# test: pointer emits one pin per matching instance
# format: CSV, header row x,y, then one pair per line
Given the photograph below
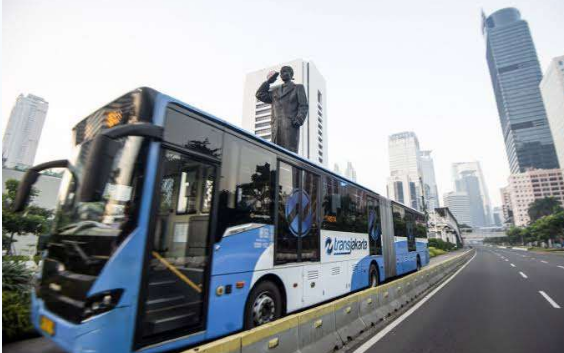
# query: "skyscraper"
x,y
515,73
459,204
404,183
467,170
313,133
23,131
468,183
429,183
552,89
350,172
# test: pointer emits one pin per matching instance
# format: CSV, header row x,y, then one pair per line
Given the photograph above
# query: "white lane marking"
x,y
523,275
533,258
523,255
512,265
562,267
544,262
549,299
399,320
506,260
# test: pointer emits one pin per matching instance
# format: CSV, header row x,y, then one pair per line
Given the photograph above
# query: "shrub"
x,y
16,321
15,276
435,252
440,244
16,300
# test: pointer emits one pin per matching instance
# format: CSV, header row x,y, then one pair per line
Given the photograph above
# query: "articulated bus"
x,y
174,228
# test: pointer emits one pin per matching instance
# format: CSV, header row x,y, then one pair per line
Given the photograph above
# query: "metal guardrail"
x,y
329,326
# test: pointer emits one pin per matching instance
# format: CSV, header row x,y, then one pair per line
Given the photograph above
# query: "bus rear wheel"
x,y
418,263
373,278
263,306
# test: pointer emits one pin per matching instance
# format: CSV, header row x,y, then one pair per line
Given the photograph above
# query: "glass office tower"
x,y
516,74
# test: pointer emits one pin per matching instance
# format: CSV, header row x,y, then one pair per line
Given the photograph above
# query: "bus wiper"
x,y
77,249
75,227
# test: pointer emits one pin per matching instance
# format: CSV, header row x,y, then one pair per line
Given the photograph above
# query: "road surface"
x,y
503,301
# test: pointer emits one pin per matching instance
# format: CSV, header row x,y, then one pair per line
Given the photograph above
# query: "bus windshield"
x,y
86,233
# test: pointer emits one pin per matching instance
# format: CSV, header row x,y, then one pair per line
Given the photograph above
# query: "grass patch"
x,y
435,252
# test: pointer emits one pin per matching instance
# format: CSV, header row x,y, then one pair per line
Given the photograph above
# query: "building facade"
x,y
459,205
21,138
552,90
444,225
525,188
405,181
464,177
430,189
498,219
515,74
313,133
506,207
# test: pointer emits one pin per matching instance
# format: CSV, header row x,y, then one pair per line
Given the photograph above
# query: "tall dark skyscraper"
x,y
516,74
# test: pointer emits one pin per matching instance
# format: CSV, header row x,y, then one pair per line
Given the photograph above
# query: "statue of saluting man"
x,y
289,107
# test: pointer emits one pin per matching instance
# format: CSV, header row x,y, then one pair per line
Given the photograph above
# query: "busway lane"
x,y
543,275
487,307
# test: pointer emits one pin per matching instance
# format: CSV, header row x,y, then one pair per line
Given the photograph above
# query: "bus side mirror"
x,y
30,177
100,159
98,167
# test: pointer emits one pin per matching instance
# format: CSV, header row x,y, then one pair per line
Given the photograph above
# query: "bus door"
x,y
297,233
175,283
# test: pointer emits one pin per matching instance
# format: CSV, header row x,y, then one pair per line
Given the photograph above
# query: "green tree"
x,y
543,207
34,220
548,227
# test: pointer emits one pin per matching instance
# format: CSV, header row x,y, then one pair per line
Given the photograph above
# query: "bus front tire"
x,y
264,305
373,278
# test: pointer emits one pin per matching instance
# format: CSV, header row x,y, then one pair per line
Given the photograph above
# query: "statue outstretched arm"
x,y
302,105
263,93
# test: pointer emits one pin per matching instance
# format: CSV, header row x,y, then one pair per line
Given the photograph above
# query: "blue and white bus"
x,y
174,227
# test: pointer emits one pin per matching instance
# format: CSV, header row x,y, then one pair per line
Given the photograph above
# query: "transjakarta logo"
x,y
337,246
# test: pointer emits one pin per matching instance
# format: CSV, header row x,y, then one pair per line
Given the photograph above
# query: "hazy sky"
x,y
390,66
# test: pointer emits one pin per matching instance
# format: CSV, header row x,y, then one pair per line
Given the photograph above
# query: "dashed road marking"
x,y
544,262
506,260
549,299
512,265
562,267
523,275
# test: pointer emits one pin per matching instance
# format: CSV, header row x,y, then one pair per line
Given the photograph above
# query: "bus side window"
x,y
410,228
248,174
374,227
399,221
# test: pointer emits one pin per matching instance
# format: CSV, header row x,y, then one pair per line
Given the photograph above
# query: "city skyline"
x,y
369,90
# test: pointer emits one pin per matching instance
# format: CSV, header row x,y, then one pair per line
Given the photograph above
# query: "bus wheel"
x,y
373,276
264,305
418,263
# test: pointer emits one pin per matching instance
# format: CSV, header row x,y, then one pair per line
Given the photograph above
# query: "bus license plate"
x,y
47,325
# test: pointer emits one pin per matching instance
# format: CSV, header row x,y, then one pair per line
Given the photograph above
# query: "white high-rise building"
x,y
313,133
23,131
459,204
552,90
350,172
461,172
404,183
431,191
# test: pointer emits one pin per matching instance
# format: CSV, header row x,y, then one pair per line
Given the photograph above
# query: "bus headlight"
x,y
101,302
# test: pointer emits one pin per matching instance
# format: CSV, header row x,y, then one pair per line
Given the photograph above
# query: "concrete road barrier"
x,y
324,328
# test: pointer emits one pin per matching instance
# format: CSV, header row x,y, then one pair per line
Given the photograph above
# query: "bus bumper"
x,y
97,334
